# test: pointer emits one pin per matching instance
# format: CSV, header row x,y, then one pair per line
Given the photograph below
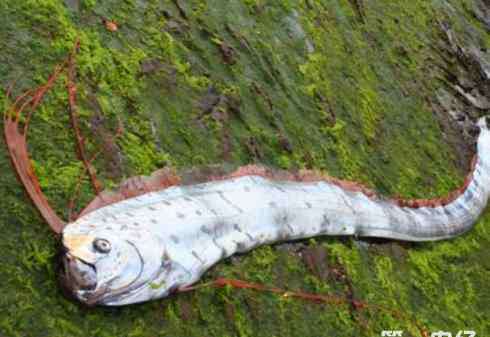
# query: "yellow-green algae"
x,y
311,83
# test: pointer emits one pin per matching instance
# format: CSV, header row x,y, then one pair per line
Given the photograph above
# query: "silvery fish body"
x,y
149,246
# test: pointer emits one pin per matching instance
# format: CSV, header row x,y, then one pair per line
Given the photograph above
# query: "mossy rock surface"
x,y
360,89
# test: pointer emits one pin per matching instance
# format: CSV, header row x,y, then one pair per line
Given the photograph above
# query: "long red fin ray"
x,y
16,140
311,297
80,141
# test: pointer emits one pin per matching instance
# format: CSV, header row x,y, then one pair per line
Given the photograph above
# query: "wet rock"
x,y
474,131
474,98
460,117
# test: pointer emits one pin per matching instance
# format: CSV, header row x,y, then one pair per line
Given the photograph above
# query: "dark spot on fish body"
x,y
165,202
325,225
224,253
468,196
221,228
476,183
250,237
151,208
241,247
279,188
283,220
272,204
124,227
447,212
197,257
154,221
359,232
198,212
226,200
406,210
174,239
166,261
282,217
216,230
180,215
308,204
205,230
246,189
129,214
237,228
348,204
283,235
459,205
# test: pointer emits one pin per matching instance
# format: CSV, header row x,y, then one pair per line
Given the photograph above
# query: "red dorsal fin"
x,y
157,181
134,187
299,175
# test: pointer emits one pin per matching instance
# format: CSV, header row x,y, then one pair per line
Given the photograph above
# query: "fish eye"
x,y
102,245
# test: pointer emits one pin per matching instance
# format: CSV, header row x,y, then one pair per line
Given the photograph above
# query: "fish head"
x,y
111,267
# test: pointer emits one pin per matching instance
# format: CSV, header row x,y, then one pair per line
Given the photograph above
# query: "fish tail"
x,y
442,218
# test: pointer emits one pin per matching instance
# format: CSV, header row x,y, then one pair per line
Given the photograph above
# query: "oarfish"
x,y
153,244
154,236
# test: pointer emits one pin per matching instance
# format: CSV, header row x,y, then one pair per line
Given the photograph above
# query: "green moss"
x,y
302,84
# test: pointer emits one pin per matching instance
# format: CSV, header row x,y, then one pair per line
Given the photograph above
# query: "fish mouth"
x,y
75,275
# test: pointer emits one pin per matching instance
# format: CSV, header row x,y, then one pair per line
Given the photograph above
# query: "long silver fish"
x,y
149,246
